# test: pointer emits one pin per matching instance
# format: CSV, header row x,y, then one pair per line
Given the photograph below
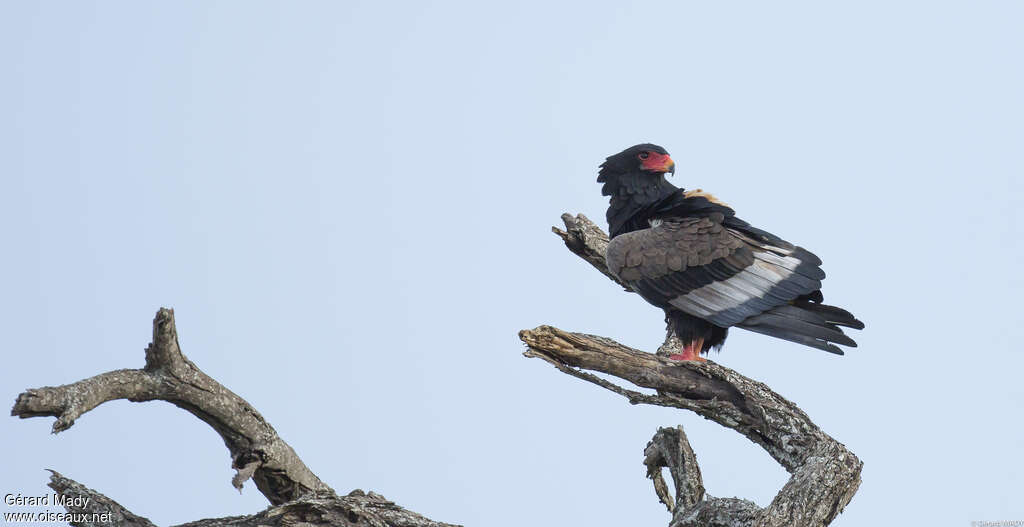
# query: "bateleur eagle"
x,y
688,253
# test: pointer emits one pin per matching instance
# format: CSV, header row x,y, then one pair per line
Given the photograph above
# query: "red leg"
x,y
690,352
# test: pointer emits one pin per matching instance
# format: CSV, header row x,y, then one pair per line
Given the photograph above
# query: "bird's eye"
x,y
644,155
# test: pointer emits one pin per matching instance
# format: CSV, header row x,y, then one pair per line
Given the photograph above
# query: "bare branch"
x,y
358,509
279,474
585,239
257,451
825,474
711,390
670,448
96,511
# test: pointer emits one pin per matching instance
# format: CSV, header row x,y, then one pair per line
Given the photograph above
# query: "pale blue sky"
x,y
348,205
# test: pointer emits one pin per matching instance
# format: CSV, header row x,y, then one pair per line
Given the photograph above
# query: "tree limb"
x,y
357,509
671,448
169,376
825,475
588,241
98,510
257,451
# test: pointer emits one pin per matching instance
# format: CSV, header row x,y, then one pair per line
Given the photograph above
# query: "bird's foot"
x,y
690,352
687,356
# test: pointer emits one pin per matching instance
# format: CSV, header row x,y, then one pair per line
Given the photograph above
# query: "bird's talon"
x,y
688,354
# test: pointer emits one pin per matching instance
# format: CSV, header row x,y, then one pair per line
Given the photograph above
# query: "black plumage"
x,y
689,254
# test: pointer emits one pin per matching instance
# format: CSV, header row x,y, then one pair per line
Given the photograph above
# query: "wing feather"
x,y
722,270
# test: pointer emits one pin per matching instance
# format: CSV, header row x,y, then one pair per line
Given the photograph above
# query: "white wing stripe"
x,y
787,262
753,282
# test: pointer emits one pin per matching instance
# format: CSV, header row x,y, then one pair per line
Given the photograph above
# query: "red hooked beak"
x,y
661,163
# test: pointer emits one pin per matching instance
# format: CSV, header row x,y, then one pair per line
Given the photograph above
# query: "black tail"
x,y
808,323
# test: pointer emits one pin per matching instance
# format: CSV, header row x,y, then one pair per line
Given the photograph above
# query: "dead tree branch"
x,y
357,509
670,448
257,451
98,510
825,475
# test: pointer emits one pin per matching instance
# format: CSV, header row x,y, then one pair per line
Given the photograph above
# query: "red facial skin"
x,y
656,162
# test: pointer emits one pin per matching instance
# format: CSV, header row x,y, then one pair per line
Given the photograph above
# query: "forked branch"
x,y
257,451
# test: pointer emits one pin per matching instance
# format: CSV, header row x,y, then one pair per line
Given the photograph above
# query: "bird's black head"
x,y
634,178
643,162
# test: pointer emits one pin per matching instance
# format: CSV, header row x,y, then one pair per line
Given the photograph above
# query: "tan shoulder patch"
x,y
698,193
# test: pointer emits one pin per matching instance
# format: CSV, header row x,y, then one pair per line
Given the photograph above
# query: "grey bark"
x,y
357,509
824,474
257,452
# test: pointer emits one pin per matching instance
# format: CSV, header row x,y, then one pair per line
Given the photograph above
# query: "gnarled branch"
x,y
257,451
671,448
96,511
357,509
825,475
168,375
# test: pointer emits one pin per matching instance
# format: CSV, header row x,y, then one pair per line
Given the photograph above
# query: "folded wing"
x,y
721,269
